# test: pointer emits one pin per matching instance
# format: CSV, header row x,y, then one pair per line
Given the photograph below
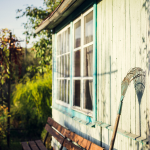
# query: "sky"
x,y
8,16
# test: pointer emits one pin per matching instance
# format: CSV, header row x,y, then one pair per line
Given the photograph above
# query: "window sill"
x,y
85,112
75,118
62,103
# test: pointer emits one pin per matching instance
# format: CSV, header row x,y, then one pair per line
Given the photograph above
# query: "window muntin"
x,y
63,65
83,62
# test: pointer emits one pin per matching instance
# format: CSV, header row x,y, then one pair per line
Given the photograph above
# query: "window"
x,y
63,65
83,62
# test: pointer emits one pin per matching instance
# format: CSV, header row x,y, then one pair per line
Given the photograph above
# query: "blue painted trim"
x,y
95,62
73,113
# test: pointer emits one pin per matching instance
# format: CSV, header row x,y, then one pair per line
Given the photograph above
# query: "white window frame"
x,y
81,78
65,78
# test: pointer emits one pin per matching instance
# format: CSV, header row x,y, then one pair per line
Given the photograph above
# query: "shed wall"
x,y
122,30
122,44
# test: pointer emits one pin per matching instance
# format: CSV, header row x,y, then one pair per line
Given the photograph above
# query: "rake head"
x,y
133,74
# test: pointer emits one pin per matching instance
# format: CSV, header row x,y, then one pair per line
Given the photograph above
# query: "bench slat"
x,y
25,146
73,136
56,135
40,145
33,145
69,145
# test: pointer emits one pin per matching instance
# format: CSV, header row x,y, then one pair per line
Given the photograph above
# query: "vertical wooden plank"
x,y
105,140
99,58
108,59
99,38
143,55
120,141
128,64
113,63
103,77
132,15
125,116
148,73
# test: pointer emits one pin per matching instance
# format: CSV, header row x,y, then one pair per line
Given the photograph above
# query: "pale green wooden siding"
x,y
122,32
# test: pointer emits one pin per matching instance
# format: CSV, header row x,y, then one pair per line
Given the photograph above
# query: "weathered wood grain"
x,y
25,146
40,145
33,145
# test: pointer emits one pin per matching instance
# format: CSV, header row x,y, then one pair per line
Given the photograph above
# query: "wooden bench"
x,y
65,137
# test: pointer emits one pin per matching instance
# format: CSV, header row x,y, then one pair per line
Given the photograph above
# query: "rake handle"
x,y
114,132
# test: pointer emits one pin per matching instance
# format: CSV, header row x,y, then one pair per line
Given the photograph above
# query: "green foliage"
x,y
3,121
42,47
32,100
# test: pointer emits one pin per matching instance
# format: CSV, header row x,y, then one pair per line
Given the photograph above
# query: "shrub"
x,y
31,102
3,121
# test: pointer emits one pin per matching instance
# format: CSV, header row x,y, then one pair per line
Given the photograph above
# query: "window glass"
x,y
64,43
63,65
58,68
88,61
65,90
68,91
68,65
68,40
88,26
77,63
88,94
77,93
77,34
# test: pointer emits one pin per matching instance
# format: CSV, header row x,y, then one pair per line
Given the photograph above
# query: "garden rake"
x,y
132,75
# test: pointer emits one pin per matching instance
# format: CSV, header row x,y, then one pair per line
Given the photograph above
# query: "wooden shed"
x,y
95,44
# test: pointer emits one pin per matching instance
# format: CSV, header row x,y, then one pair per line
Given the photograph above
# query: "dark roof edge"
x,y
54,17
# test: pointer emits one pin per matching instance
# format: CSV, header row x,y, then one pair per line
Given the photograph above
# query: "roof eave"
x,y
64,10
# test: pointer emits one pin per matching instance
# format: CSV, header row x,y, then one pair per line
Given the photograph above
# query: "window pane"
x,y
77,63
61,44
62,65
68,65
63,91
58,67
77,34
88,94
68,40
58,44
58,89
64,43
68,91
88,61
88,28
77,93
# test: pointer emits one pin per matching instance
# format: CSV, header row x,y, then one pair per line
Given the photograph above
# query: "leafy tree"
x,y
8,45
42,48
